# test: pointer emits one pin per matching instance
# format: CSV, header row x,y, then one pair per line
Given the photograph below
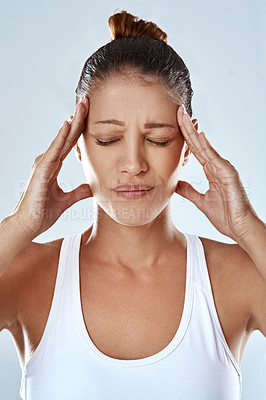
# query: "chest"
x,y
132,318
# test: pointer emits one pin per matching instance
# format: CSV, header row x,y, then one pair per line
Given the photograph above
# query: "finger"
x,y
61,143
213,156
191,137
53,151
201,145
77,127
81,192
198,156
67,135
187,191
70,119
206,147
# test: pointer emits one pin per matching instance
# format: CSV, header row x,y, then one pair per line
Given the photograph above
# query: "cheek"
x,y
170,161
97,166
170,168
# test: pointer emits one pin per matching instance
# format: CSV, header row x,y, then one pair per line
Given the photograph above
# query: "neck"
x,y
133,247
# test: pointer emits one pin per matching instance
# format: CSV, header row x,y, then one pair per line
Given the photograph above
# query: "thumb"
x,y
81,192
187,191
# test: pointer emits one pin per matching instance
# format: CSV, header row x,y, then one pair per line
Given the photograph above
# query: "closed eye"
x,y
106,143
162,143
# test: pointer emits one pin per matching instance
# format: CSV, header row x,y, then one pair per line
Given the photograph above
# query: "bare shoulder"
x,y
28,269
230,257
235,277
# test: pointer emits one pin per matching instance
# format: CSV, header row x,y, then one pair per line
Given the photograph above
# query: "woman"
x,y
132,307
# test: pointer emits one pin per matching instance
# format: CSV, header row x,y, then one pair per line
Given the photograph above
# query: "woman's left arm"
x,y
254,244
226,203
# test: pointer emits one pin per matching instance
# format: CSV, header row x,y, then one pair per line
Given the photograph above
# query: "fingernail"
x,y
69,120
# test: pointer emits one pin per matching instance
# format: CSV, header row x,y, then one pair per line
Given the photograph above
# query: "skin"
x,y
123,225
127,257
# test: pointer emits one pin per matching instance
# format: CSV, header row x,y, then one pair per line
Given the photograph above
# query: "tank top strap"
x,y
59,283
195,257
71,260
203,281
201,275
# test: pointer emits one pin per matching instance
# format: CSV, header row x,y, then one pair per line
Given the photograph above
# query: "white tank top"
x,y
196,364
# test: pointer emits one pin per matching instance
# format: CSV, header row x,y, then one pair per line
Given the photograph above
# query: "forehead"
x,y
132,91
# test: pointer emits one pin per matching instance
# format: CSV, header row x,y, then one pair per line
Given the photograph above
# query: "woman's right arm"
x,y
40,205
16,254
13,239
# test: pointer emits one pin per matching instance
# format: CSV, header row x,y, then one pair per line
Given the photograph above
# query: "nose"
x,y
133,160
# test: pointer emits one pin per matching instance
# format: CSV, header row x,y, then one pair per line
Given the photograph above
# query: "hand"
x,y
225,204
43,201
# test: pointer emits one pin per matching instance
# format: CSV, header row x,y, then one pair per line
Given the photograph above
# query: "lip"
x,y
133,188
132,194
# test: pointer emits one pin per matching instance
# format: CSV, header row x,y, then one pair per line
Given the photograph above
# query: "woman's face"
x,y
142,151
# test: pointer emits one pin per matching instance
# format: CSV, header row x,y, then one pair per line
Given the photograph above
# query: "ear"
x,y
77,152
188,151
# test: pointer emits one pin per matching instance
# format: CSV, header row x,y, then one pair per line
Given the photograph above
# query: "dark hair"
x,y
138,48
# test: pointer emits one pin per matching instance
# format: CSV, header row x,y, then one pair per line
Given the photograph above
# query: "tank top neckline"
x,y
174,343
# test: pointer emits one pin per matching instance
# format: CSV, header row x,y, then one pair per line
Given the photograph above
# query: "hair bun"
x,y
125,25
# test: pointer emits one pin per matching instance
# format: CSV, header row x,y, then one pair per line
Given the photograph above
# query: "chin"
x,y
132,221
134,215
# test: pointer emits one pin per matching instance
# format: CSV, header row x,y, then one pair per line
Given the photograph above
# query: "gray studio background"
x,y
43,48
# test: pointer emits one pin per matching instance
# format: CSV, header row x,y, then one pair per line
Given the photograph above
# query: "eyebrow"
x,y
146,126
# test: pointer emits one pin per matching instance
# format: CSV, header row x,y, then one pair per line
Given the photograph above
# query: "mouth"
x,y
132,188
132,192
